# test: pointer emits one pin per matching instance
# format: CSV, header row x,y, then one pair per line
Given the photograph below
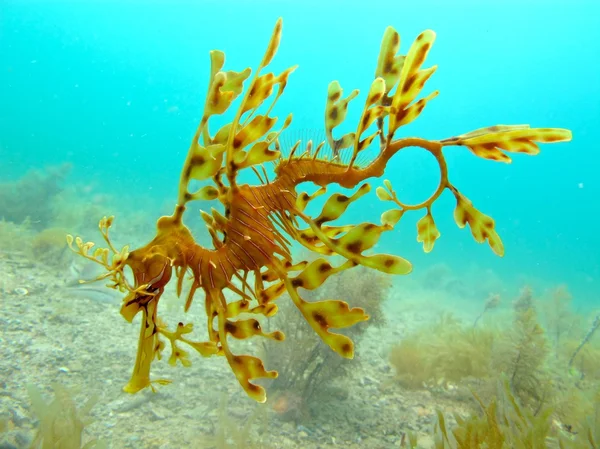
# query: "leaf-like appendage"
x,y
273,43
256,129
492,142
323,315
362,237
335,113
218,100
387,263
316,273
337,204
247,368
389,64
234,81
383,194
217,61
248,328
376,91
482,226
304,198
391,217
205,161
412,80
427,232
371,112
206,193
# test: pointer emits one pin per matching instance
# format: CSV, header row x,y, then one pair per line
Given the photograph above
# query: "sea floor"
x,y
55,334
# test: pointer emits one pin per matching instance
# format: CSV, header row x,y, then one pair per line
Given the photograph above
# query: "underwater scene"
x,y
299,224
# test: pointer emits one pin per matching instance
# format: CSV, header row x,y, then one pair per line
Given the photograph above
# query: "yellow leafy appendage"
x,y
251,256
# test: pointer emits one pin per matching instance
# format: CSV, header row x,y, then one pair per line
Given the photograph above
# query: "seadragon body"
x,y
252,256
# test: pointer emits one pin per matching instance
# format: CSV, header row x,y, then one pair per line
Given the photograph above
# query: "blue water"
x,y
116,88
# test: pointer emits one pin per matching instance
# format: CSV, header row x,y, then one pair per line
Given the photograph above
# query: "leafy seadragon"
x,y
251,257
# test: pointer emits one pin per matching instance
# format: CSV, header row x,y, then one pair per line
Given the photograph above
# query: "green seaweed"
x,y
524,355
537,378
232,434
61,423
503,423
446,352
306,371
30,197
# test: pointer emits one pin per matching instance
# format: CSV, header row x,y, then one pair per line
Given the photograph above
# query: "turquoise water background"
x,y
116,88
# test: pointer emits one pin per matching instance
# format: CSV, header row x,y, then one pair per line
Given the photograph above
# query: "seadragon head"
x,y
251,259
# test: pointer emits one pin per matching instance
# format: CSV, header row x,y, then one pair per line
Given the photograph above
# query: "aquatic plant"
x,y
16,237
560,321
502,423
30,197
306,371
48,246
523,355
475,358
491,303
61,423
251,257
234,434
445,352
588,336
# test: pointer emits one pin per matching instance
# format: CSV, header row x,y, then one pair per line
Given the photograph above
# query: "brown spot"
x,y
237,141
324,267
253,388
342,199
346,348
395,39
297,282
188,171
420,57
408,84
230,327
388,66
236,360
333,114
369,226
320,319
256,325
354,247
335,97
389,262
319,222
365,120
